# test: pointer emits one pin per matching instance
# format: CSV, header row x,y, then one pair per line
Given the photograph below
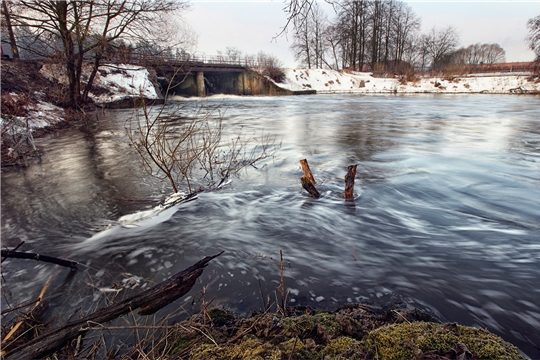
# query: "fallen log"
x,y
38,257
148,301
310,188
349,182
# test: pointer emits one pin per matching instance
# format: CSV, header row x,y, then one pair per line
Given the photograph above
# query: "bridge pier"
x,y
201,91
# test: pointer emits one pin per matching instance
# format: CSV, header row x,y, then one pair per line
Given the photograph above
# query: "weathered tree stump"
x,y
310,188
148,301
349,182
308,181
307,171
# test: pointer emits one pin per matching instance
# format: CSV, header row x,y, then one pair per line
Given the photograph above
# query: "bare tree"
x,y
405,25
85,30
475,54
440,42
533,38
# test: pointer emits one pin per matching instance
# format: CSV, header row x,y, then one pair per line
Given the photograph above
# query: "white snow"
x,y
332,81
40,115
123,81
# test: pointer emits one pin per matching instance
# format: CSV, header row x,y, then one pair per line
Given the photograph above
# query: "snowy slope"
x,y
123,81
119,81
332,81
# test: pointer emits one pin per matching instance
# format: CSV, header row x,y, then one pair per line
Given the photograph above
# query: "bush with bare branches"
x,y
177,146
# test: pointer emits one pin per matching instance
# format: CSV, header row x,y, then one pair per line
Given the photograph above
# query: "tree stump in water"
x,y
349,182
310,188
308,181
307,171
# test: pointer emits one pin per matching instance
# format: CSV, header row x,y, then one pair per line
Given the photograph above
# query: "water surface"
x,y
446,212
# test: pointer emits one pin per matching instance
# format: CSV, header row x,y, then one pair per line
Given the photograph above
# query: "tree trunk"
x,y
12,40
148,301
349,182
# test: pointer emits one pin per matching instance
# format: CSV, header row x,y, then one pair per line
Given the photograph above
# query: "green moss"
x,y
406,339
322,326
221,317
249,349
344,346
180,343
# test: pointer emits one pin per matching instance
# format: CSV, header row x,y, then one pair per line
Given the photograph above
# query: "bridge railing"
x,y
200,60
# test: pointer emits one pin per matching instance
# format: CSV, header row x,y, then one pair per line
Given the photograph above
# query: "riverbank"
x,y
355,331
331,81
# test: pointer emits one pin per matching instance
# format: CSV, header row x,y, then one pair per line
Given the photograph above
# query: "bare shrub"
x,y
179,146
270,66
14,105
409,76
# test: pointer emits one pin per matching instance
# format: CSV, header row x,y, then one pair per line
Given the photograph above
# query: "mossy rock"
x,y
409,340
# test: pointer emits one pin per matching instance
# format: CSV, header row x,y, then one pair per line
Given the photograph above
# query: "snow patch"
x,y
120,81
332,81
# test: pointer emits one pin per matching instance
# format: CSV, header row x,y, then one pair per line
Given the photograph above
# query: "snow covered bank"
x,y
39,115
112,82
332,81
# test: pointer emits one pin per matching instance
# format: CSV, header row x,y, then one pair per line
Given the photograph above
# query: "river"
x,y
446,214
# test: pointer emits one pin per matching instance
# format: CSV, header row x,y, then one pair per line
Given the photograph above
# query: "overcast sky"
x,y
250,26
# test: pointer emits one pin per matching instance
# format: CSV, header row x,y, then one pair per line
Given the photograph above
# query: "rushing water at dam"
x,y
446,214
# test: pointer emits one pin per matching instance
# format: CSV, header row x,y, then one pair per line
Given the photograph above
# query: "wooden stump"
x,y
307,171
310,188
349,182
308,181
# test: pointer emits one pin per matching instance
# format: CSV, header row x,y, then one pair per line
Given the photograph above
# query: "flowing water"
x,y
446,214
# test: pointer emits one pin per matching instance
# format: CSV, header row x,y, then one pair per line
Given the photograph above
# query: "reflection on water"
x,y
446,214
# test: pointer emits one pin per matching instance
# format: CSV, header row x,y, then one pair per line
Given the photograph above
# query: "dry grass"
x,y
14,104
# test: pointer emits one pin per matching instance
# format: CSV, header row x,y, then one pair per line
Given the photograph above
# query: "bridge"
x,y
206,75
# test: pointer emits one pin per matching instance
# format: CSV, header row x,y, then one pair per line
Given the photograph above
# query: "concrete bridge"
x,y
201,76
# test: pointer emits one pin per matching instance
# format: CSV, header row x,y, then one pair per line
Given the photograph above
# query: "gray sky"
x,y
251,25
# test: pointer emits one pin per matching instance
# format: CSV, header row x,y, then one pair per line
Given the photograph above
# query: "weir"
x,y
205,83
211,79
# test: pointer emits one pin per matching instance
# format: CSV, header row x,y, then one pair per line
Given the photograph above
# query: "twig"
x,y
34,256
7,311
202,332
20,323
293,348
239,336
403,317
281,280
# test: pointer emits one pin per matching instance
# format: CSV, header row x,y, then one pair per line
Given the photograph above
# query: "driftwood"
x,y
349,182
34,256
148,301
